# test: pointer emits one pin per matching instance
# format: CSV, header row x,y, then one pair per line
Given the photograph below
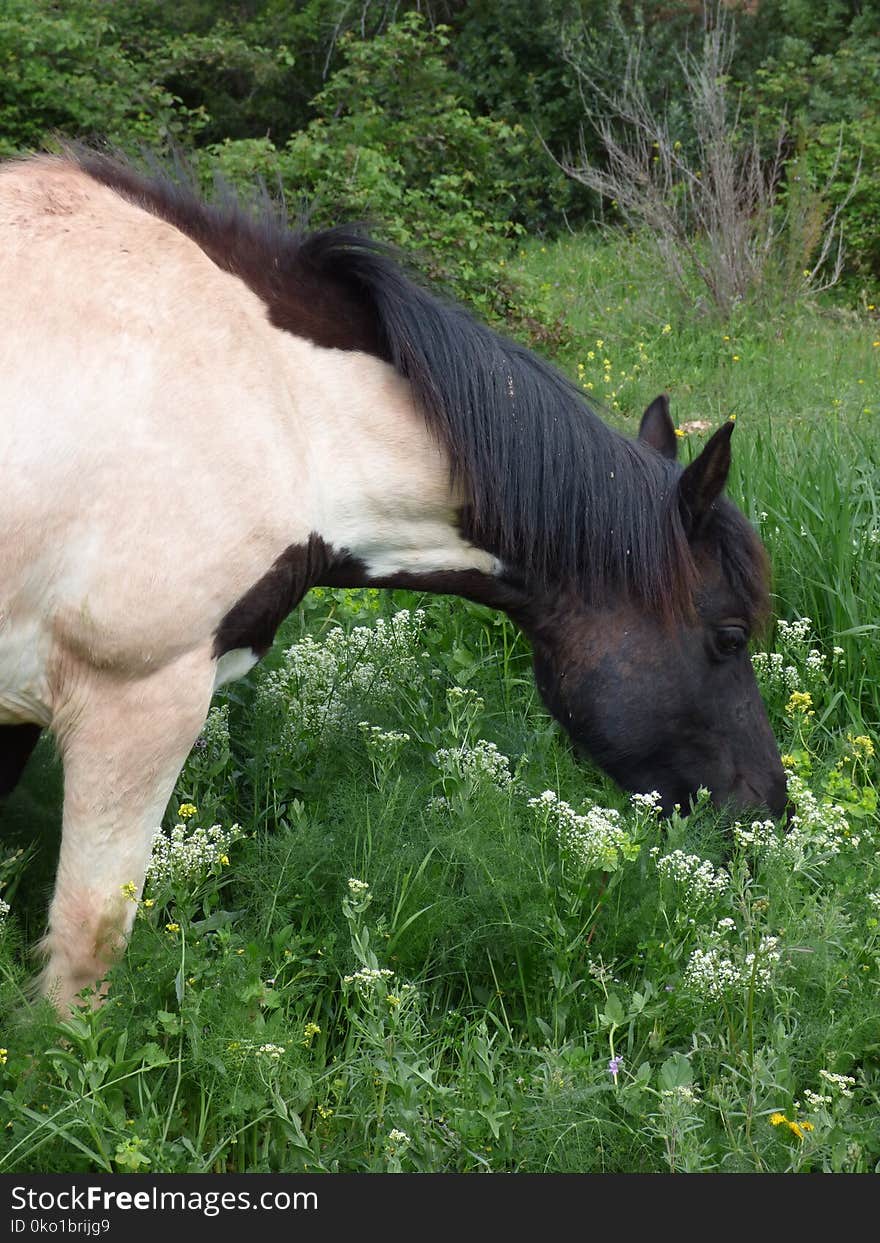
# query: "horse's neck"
x,y
379,484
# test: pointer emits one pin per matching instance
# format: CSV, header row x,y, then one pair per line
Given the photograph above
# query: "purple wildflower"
x,y
614,1067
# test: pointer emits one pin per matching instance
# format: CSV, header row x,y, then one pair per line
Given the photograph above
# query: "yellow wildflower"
x,y
186,810
172,927
777,1119
800,701
862,744
129,890
787,761
667,328
4,1056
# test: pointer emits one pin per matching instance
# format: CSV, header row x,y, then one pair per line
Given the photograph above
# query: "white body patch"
x,y
233,665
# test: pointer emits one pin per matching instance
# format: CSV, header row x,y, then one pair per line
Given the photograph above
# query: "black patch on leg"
x,y
16,744
255,617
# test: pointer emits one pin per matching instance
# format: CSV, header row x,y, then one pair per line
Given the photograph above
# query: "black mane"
x,y
550,489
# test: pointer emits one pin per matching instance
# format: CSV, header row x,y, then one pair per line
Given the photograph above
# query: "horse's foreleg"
x,y
123,744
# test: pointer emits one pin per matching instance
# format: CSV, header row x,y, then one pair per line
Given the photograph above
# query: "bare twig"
x,y
713,204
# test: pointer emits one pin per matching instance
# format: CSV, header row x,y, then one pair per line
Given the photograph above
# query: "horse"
x,y
206,412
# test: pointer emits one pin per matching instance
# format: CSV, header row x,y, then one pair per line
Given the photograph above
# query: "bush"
x,y
834,102
392,144
67,70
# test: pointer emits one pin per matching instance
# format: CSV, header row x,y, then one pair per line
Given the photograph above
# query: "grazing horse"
x,y
203,414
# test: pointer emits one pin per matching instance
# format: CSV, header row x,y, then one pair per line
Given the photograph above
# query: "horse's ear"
x,y
703,481
657,429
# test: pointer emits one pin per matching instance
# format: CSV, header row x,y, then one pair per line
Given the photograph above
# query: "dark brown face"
x,y
670,706
661,709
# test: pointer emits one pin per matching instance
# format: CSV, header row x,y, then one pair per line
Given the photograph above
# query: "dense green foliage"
x,y
391,142
566,992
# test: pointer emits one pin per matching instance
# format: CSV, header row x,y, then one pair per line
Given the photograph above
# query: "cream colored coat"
x,y
161,443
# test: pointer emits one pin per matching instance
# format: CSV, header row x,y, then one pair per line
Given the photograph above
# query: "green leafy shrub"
x,y
392,143
65,68
834,102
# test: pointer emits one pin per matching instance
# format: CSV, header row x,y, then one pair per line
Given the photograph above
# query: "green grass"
x,y
232,1040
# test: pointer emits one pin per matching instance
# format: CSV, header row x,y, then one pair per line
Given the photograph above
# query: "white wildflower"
x,y
772,670
682,1094
318,684
758,967
600,970
189,853
711,974
358,888
596,838
796,633
843,1084
699,879
4,911
215,731
479,764
649,804
274,1051
384,744
817,832
714,973
823,825
368,976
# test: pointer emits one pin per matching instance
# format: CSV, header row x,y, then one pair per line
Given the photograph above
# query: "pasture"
x,y
402,927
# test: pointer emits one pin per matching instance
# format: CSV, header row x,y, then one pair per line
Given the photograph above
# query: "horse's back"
x,y
144,484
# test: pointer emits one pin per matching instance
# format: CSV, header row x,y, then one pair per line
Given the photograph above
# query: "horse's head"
x,y
669,702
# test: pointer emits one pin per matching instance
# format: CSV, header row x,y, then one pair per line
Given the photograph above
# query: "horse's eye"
x,y
730,639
